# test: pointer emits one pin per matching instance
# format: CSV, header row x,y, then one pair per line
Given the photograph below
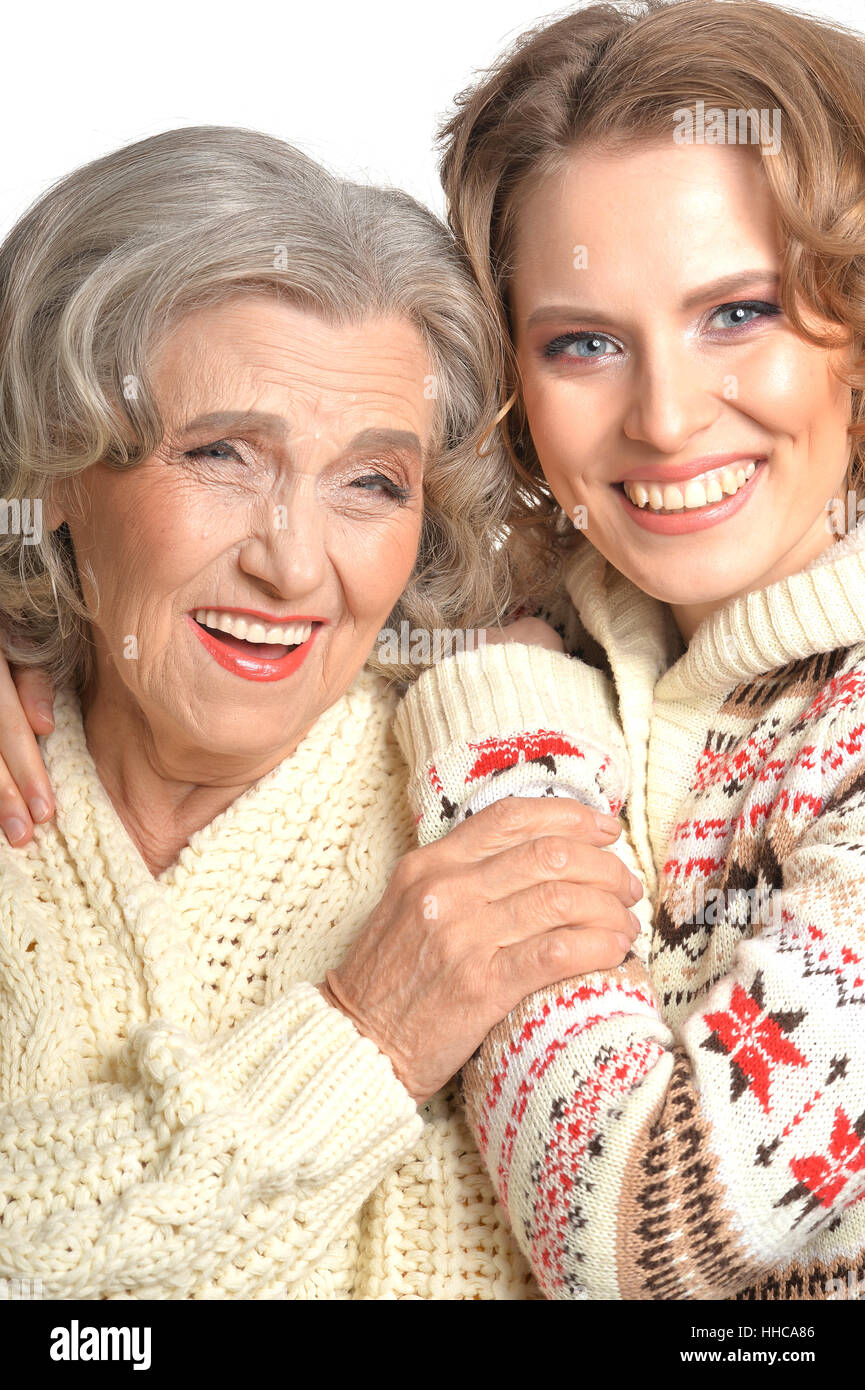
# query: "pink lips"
x,y
249,667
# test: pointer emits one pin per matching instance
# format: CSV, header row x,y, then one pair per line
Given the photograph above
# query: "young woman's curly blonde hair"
x,y
616,74
104,266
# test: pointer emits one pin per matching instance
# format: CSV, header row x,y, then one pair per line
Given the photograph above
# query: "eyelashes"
x,y
386,486
761,307
557,347
399,493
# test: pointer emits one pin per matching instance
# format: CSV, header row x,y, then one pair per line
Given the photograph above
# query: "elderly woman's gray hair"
x,y
99,271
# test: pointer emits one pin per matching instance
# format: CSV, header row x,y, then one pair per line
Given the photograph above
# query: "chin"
x,y
690,589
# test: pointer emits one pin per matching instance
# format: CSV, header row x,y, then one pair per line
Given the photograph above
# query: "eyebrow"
x,y
374,437
726,285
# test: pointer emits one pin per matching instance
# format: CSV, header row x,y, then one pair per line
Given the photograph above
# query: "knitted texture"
x,y
690,1125
182,1115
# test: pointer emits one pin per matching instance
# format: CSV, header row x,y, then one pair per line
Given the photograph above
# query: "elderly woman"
x,y
242,399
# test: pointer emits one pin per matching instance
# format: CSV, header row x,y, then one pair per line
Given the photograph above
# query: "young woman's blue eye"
x,y
383,484
755,308
596,345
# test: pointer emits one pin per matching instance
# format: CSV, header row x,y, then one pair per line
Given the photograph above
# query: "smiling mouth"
x,y
255,639
703,490
266,650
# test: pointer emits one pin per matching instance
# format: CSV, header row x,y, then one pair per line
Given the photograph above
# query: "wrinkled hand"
x,y
519,896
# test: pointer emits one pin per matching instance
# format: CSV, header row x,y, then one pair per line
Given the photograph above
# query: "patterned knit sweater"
x,y
182,1115
691,1124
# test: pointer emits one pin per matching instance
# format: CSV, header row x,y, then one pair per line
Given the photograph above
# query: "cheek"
x,y
374,568
155,539
792,392
566,435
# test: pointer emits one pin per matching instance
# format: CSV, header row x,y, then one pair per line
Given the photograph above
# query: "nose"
x,y
287,550
676,395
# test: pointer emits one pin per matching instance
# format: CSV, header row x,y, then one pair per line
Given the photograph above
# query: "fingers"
x,y
556,857
25,792
557,955
515,819
557,903
36,694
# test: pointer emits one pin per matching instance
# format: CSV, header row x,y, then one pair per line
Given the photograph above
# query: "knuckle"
x,y
617,877
550,854
10,796
586,814
407,868
556,951
554,900
509,815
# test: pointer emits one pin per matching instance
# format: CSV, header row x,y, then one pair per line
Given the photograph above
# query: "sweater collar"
x,y
817,609
278,806
228,867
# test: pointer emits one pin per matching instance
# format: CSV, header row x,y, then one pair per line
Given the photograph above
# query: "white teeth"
x,y
252,630
696,492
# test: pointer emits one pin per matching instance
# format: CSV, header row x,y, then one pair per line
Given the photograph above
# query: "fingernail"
x,y
638,926
608,823
623,941
39,808
636,886
14,828
44,708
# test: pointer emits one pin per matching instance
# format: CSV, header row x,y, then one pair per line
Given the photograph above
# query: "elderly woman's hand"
x,y
519,896
26,699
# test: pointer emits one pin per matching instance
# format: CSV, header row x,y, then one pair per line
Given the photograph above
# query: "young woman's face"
x,y
654,354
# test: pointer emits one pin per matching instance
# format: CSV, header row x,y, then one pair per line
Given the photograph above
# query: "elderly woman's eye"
x,y
378,482
218,450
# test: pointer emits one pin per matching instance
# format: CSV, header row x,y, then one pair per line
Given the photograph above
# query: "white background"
x,y
358,85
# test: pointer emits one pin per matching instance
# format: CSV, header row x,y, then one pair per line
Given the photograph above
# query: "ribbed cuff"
x,y
300,1067
504,688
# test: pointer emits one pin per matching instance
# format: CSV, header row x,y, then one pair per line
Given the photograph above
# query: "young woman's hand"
x,y
534,632
26,701
521,895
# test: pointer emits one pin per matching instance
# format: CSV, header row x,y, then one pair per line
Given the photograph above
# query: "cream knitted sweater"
x,y
182,1115
690,1125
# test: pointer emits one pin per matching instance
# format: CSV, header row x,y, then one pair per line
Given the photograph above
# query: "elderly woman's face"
x,y
287,494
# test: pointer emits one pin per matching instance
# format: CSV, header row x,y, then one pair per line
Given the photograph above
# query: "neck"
x,y
163,786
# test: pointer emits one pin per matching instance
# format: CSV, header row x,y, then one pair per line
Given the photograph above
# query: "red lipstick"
x,y
249,666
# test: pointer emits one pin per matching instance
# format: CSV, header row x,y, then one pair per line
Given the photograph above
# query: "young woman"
x,y
682,320
678,284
